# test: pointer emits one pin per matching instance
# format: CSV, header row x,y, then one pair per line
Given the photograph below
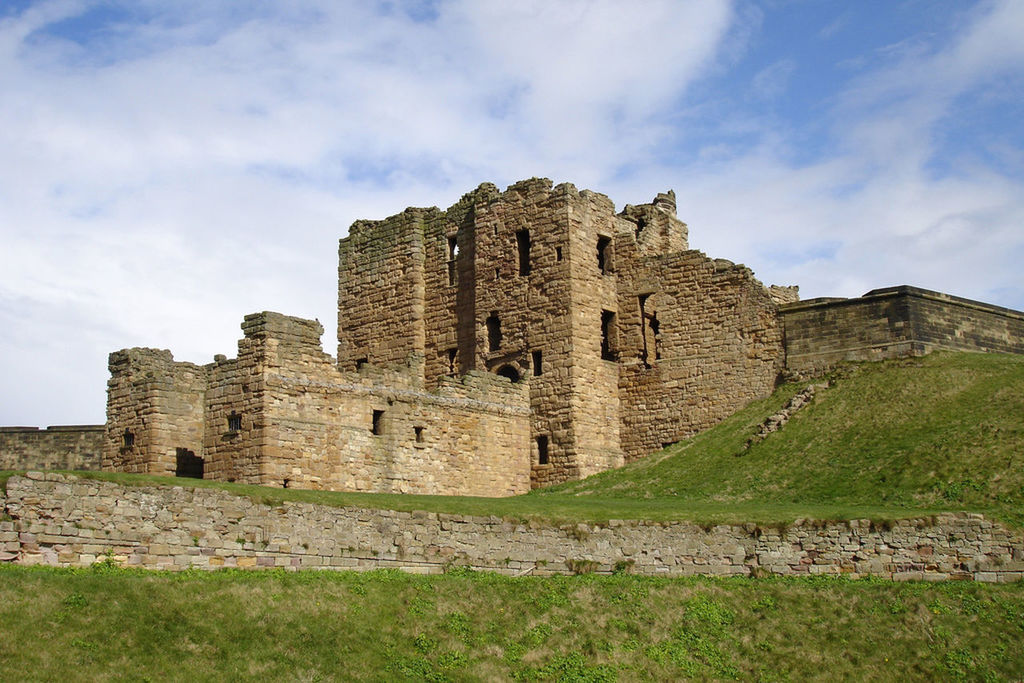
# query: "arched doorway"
x,y
510,372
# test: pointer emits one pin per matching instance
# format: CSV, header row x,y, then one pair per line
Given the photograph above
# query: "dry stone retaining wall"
x,y
60,520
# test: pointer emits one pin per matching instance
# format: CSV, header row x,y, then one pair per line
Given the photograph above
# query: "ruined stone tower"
x,y
626,339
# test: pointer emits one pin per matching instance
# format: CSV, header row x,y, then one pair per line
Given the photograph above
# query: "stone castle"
x,y
517,339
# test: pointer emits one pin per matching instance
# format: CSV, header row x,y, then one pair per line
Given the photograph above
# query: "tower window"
x,y
377,423
542,450
453,252
538,368
558,253
604,254
608,335
523,244
128,438
493,332
453,356
418,431
234,422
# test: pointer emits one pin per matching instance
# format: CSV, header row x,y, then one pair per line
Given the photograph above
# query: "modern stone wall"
x,y
64,447
892,323
62,520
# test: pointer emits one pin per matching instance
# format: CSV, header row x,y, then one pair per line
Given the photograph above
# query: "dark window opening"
x,y
608,335
558,253
649,328
128,438
542,450
285,483
604,254
510,372
523,244
361,362
453,253
497,274
640,225
453,355
419,434
538,368
187,464
377,425
234,422
493,332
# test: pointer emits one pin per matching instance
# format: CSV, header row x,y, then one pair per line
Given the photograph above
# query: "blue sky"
x,y
171,167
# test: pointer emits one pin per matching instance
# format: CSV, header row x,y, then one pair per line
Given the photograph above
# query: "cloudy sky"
x,y
169,166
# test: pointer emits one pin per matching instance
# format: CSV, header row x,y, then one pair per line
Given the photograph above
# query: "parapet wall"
x,y
892,323
65,447
179,528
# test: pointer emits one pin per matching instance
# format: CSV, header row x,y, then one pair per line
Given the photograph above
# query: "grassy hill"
x,y
936,433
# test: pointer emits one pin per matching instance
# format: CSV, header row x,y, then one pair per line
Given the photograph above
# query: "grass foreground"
x,y
105,623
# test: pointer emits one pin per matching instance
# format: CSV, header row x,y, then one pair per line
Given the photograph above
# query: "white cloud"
x,y
200,161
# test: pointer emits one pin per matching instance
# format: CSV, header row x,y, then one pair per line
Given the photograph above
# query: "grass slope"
x,y
937,433
110,624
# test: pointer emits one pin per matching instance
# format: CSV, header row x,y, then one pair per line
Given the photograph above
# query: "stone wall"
x,y
700,339
893,323
64,447
155,411
180,527
542,284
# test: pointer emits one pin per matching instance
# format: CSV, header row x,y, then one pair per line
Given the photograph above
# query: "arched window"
x,y
510,372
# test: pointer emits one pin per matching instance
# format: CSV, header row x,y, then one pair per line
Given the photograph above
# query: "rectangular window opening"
x,y
377,425
234,422
128,438
453,253
523,244
419,434
542,450
604,254
558,253
360,362
453,361
608,335
538,368
493,332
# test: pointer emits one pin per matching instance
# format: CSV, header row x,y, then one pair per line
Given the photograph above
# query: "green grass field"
x,y
885,440
113,624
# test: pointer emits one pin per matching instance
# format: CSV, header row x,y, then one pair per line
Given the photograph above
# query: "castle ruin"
x,y
515,340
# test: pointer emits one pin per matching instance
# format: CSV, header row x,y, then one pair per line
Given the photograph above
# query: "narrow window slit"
x,y
542,450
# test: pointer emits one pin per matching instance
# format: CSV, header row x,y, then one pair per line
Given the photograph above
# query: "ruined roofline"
x,y
487,192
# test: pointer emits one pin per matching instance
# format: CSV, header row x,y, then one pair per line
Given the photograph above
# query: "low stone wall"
x,y
894,322
69,447
64,520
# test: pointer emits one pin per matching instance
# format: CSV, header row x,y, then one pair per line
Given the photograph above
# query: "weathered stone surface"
x,y
66,447
893,323
178,528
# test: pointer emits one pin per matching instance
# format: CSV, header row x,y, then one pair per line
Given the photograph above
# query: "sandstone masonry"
x,y
66,447
66,521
